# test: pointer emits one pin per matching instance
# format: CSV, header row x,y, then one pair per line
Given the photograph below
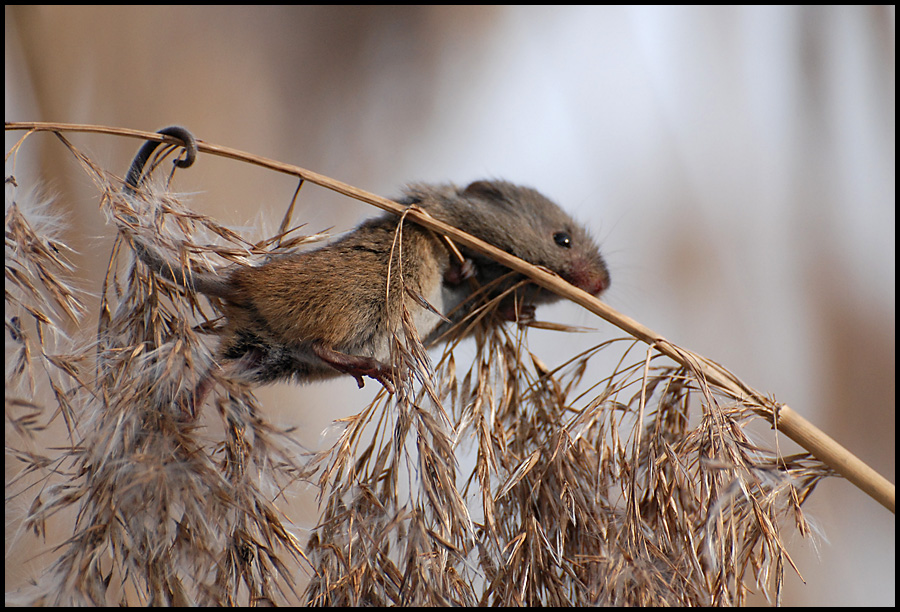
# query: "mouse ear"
x,y
484,189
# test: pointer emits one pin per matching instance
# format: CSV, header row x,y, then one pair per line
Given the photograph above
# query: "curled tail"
x,y
203,282
133,179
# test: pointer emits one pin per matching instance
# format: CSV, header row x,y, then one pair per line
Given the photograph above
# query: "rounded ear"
x,y
484,189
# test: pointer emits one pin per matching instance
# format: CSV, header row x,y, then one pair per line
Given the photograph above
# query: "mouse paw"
x,y
458,272
516,311
356,366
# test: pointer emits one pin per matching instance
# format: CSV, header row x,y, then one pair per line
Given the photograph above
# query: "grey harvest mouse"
x,y
328,311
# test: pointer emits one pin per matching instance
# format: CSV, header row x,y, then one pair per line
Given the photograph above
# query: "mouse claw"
x,y
458,272
381,376
386,383
356,366
517,312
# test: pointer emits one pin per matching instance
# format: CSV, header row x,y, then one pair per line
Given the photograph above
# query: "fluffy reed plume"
x,y
172,508
497,481
607,496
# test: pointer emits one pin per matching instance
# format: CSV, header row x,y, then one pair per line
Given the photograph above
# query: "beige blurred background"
x,y
736,165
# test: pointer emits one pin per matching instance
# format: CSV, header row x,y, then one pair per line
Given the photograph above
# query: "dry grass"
x,y
640,488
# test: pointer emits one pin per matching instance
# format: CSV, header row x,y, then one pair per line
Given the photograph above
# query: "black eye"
x,y
563,239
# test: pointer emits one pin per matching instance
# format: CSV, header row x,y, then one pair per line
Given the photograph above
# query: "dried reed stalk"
x,y
574,492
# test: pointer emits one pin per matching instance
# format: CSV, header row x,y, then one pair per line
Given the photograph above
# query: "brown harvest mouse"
x,y
330,311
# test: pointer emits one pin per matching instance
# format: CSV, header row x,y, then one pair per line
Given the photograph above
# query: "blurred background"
x,y
735,164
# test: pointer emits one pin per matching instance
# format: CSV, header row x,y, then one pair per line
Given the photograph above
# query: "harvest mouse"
x,y
332,310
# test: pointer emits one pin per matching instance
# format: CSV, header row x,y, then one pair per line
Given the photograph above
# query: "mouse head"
x,y
522,222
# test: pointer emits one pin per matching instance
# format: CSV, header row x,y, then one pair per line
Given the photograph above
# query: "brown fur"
x,y
331,310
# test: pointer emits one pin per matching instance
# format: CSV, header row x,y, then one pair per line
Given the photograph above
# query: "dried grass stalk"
x,y
499,481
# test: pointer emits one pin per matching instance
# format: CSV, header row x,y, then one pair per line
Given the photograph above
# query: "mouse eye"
x,y
563,239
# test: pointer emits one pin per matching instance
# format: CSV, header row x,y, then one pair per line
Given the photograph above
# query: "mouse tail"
x,y
202,282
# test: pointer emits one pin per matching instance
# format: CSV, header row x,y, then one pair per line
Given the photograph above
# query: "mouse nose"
x,y
590,277
599,284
